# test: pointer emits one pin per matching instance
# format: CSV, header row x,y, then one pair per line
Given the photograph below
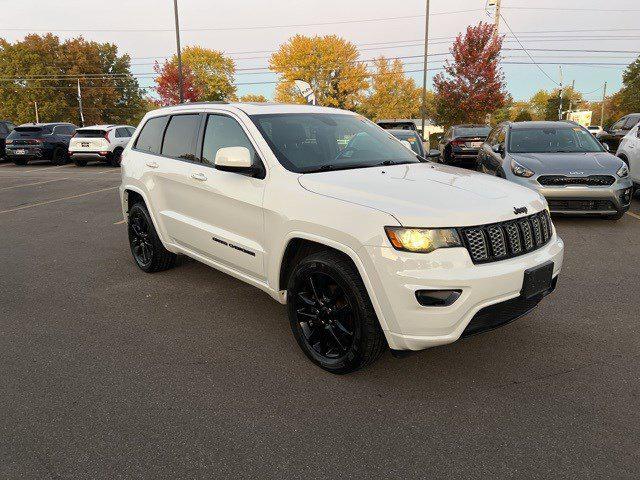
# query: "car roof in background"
x,y
543,124
52,124
402,131
99,127
472,125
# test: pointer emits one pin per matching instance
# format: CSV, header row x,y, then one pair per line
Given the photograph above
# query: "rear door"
x,y
226,207
170,141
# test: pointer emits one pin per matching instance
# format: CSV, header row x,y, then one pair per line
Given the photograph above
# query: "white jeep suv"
x,y
104,143
368,244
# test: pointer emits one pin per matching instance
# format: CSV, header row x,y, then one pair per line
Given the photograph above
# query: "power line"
x,y
528,54
251,27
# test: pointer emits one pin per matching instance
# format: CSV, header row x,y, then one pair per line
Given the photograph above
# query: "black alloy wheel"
x,y
146,247
58,157
331,315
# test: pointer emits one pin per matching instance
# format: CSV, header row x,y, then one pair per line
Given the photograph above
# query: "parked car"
x,y
595,130
103,143
405,124
612,136
460,144
412,138
366,244
40,141
562,161
629,152
6,127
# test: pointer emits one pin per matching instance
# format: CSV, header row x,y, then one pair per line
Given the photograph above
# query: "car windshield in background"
x,y
90,133
552,140
472,131
413,141
313,142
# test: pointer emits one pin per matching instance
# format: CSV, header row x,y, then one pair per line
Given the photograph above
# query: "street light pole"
x,y
424,70
175,9
496,20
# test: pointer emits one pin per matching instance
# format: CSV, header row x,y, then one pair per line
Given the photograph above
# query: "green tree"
x,y
45,70
392,94
213,71
629,94
523,115
329,64
569,95
538,104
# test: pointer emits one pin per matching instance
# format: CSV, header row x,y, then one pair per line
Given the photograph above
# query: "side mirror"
x,y
233,159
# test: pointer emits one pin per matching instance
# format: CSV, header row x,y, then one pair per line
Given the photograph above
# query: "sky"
x,y
249,30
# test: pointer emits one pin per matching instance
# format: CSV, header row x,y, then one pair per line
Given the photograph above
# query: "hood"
x,y
569,163
427,194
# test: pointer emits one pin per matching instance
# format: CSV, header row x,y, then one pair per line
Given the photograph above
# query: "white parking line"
x,y
120,222
34,183
634,215
22,207
45,168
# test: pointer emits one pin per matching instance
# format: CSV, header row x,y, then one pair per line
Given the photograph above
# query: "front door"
x,y
227,206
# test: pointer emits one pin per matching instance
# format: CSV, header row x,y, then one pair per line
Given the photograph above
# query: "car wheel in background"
x,y
58,157
615,216
80,162
146,247
115,158
20,161
331,315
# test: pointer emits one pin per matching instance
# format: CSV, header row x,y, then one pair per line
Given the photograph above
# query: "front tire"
x,y
146,247
331,315
615,216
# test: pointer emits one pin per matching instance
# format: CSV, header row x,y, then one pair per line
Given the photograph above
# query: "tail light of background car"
x,y
106,136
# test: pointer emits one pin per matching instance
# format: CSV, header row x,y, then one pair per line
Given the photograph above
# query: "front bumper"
x,y
396,276
584,200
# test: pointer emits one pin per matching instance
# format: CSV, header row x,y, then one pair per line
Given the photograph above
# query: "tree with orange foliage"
x,y
168,84
472,85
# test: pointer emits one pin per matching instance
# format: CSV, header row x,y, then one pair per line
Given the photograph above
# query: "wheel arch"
x,y
300,244
129,196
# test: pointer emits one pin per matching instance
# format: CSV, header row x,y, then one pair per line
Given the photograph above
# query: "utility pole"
x,y
424,70
80,104
573,86
37,116
604,96
560,105
496,19
175,9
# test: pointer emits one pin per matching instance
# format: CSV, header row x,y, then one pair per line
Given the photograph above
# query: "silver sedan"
x,y
562,161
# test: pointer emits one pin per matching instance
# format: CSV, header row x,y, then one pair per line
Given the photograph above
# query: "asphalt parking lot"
x,y
108,372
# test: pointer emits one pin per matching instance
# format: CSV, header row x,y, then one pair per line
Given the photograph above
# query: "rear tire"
x,y
331,315
80,163
146,247
58,157
115,158
21,162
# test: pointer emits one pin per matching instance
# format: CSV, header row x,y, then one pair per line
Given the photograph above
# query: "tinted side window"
x,y
618,124
150,137
122,132
180,135
223,132
131,131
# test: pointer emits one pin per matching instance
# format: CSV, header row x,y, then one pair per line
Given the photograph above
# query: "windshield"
x,y
312,142
552,140
471,131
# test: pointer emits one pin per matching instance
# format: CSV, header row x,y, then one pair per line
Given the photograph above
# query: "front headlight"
x,y
623,171
520,170
422,240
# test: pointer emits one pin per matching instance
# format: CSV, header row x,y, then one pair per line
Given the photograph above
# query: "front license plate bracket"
x,y
537,280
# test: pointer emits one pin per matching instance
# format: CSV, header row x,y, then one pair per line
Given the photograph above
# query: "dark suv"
x,y
460,144
40,141
5,129
613,135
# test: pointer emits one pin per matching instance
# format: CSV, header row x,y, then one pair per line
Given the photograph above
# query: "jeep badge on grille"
x,y
519,210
